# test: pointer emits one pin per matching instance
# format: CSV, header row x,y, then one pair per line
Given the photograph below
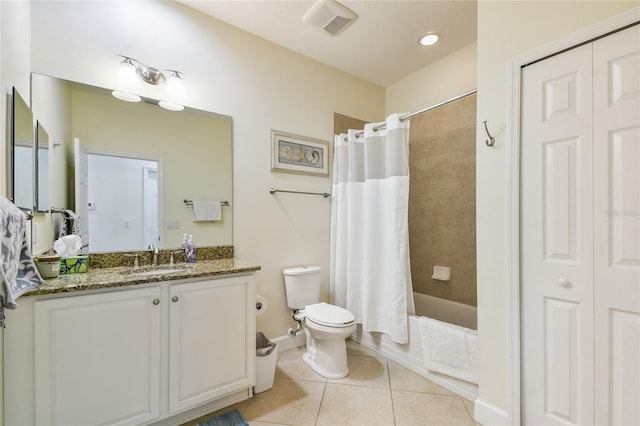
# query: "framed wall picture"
x,y
299,154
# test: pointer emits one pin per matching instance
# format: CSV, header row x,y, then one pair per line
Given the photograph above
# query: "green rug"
x,y
232,418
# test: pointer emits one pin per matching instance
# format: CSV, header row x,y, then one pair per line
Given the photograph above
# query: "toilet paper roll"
x,y
261,305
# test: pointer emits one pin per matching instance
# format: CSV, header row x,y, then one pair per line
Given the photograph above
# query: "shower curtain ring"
x,y
491,141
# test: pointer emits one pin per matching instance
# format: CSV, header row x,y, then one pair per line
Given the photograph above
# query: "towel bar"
x,y
222,203
324,194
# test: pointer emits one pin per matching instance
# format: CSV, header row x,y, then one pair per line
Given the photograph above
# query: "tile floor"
x,y
377,391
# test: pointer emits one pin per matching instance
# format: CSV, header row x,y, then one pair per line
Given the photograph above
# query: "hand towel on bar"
x,y
207,211
449,349
18,273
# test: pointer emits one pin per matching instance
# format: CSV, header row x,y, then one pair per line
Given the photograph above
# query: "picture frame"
x,y
299,154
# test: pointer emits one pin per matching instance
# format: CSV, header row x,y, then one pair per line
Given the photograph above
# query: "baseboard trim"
x,y
489,415
284,343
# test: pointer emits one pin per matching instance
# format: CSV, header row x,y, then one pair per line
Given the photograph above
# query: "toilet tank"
x,y
302,286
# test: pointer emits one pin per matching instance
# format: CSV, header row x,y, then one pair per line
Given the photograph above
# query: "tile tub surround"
x,y
126,276
377,391
442,200
115,259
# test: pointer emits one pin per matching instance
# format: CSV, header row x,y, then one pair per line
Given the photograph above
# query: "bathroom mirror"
x,y
42,168
21,157
192,150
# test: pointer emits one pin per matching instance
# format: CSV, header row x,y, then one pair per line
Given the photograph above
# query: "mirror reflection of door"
x,y
42,168
122,203
151,202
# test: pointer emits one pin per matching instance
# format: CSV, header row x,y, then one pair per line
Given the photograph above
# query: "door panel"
x,y
616,62
556,240
561,319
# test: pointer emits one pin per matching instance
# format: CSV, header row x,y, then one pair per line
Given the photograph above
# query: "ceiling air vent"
x,y
329,16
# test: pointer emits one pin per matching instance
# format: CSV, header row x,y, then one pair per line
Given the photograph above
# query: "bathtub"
x,y
410,355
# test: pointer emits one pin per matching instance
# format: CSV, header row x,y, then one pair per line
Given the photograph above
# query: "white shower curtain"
x,y
370,274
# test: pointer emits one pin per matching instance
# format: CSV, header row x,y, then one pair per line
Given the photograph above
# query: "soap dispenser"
x,y
190,250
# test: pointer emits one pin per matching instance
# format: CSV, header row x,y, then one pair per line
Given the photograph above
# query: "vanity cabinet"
x,y
208,339
159,353
97,358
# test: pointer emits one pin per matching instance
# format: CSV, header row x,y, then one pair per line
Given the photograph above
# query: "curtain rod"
x,y
423,110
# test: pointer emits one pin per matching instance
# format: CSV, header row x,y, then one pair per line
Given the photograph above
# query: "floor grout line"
x,y
366,382
324,390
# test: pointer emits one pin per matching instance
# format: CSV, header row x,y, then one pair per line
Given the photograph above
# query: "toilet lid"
x,y
329,315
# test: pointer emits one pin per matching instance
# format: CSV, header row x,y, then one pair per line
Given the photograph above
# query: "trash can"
x,y
266,356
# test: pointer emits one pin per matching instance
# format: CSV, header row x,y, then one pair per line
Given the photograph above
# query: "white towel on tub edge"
x,y
449,349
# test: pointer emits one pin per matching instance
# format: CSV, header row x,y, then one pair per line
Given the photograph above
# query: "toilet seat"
x,y
329,315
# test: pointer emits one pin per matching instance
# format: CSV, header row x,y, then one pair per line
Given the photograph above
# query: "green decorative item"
x,y
74,265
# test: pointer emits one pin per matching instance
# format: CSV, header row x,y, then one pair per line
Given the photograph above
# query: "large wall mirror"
x,y
130,166
21,172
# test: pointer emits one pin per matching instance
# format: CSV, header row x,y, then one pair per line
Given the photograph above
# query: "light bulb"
x,y
175,88
127,97
171,106
125,82
126,76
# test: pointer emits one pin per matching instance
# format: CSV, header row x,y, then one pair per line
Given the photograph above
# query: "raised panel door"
x,y
97,359
211,340
557,240
616,105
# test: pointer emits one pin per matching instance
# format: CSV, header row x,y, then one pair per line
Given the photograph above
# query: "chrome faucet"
x,y
136,260
153,249
172,258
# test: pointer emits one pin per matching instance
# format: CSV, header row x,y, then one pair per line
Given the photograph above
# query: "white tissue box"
x,y
74,265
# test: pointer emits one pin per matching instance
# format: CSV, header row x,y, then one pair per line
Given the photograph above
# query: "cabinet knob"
x,y
156,301
563,282
175,298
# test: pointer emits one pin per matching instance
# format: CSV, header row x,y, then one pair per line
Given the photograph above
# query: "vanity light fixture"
x,y
429,39
126,80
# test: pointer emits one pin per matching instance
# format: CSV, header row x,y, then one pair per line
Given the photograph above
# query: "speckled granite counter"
x,y
127,276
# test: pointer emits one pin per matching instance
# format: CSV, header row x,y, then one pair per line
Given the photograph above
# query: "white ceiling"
x,y
381,46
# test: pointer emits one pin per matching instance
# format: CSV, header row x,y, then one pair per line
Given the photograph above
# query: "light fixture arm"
x,y
149,74
153,76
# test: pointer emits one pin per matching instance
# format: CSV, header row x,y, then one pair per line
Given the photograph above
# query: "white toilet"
x,y
326,326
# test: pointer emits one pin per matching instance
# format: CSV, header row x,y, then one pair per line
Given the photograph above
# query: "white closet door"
x,y
557,240
616,61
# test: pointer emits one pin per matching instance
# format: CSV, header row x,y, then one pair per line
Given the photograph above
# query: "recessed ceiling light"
x,y
429,39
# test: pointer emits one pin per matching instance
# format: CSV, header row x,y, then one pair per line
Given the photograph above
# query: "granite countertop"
x,y
127,276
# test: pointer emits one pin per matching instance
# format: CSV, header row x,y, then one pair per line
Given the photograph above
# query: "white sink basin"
x,y
162,270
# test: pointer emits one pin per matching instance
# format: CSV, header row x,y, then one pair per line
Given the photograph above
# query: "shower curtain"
x,y
370,274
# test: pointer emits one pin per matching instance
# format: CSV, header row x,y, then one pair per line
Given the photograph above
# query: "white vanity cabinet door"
x,y
97,358
211,340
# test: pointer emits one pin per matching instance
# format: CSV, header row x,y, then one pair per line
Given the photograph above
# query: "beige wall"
x,y
442,200
262,86
450,76
15,63
507,29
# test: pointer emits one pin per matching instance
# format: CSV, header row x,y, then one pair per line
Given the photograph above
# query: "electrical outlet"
x,y
173,224
126,223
